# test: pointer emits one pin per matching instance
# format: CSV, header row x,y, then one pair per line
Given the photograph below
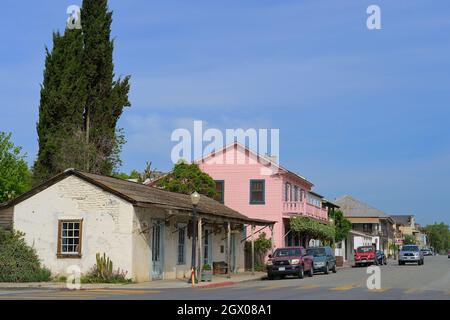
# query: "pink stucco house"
x,y
260,188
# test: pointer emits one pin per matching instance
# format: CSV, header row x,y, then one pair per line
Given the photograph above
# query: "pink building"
x,y
259,188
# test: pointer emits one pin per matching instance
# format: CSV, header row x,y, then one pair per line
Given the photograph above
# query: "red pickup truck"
x,y
290,261
365,255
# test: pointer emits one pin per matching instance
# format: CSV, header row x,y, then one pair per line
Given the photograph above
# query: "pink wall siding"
x,y
237,192
237,168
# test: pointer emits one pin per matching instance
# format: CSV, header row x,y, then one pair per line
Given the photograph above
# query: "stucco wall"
x,y
107,224
142,261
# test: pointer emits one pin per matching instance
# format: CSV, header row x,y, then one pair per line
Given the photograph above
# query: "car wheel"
x,y
301,273
327,269
270,276
400,263
334,268
311,272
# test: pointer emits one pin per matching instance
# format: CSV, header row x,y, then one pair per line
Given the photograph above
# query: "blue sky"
x,y
360,112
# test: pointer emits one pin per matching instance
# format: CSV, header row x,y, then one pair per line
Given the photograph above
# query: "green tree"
x,y
187,178
81,102
141,177
106,97
342,226
438,236
14,174
409,239
63,95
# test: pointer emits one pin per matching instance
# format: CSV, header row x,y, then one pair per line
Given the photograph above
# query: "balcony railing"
x,y
304,209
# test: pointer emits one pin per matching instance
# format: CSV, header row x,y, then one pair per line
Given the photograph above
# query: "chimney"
x,y
271,158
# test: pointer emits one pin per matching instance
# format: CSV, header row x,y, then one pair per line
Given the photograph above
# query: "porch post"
x,y
253,250
200,251
229,250
272,230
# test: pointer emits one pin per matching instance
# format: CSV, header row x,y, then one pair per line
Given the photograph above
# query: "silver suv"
x,y
410,253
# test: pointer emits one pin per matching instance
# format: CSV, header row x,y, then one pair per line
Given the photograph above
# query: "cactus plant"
x,y
104,266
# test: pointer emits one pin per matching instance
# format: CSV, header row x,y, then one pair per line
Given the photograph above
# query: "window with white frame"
x,y
69,238
315,201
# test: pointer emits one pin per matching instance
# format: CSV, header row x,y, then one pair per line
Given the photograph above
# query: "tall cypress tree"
x,y
106,97
63,96
81,102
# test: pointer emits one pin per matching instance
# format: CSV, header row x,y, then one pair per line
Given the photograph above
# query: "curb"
x,y
216,285
227,283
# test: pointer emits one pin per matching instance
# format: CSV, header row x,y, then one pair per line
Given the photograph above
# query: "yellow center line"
x,y
309,286
276,286
345,287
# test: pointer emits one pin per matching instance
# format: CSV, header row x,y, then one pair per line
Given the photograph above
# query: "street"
x,y
430,281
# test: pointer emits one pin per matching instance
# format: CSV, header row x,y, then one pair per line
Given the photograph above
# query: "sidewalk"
x,y
217,281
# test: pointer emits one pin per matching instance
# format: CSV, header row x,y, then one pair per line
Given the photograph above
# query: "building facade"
x,y
146,232
369,221
261,189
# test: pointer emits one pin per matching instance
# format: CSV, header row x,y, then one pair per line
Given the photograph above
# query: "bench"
x,y
220,267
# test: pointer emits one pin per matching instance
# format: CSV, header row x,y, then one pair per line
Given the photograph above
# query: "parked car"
x,y
290,261
324,259
410,253
381,258
426,252
365,255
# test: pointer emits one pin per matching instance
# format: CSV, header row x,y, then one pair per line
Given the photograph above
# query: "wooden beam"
x,y
200,249
229,250
253,250
272,230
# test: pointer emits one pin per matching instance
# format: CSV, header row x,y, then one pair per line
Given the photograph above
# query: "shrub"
x,y
262,246
103,272
206,267
18,261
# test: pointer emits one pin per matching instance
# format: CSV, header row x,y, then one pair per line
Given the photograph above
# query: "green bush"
x,y
18,261
262,246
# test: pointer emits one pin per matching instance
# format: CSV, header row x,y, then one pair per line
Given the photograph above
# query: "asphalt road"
x,y
430,281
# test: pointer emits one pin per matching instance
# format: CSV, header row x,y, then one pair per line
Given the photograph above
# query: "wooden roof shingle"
x,y
141,195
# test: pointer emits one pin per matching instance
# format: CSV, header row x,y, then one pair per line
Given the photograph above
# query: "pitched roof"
x,y
355,208
402,219
262,158
143,196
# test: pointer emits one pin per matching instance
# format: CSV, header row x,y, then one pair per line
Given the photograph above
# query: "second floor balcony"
x,y
303,208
